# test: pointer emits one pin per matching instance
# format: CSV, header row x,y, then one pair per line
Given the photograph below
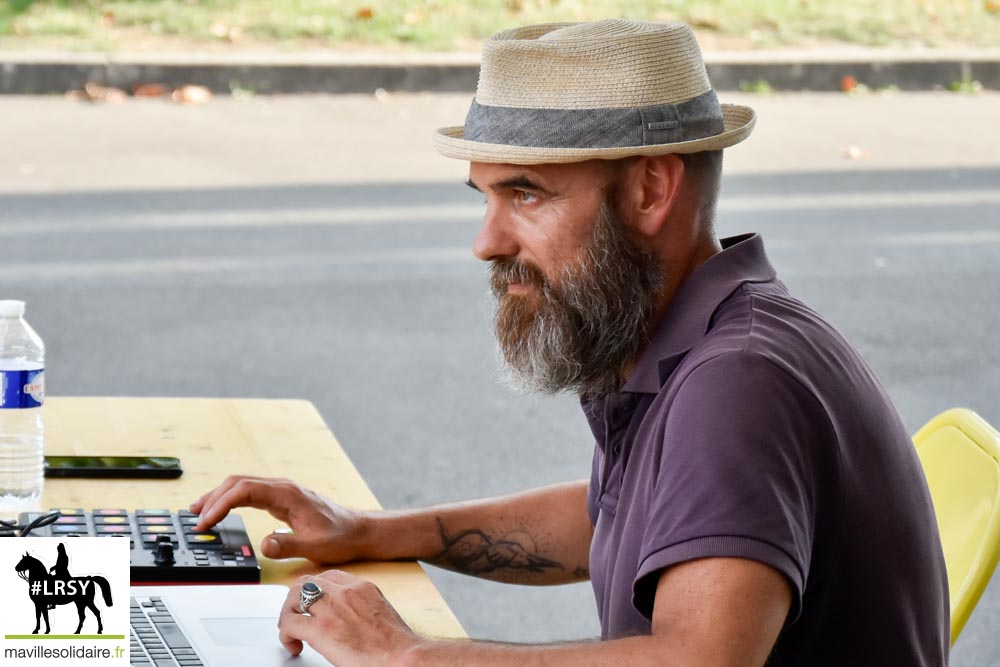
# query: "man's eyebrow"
x,y
519,182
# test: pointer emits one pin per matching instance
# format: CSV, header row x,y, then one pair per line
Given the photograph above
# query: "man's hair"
x,y
702,171
705,170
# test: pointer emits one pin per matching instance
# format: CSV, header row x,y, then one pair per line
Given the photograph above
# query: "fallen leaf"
x,y
108,17
364,13
705,22
114,96
98,93
848,84
191,95
992,6
149,90
856,153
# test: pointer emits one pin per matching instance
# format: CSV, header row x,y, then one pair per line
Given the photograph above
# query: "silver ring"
x,y
308,595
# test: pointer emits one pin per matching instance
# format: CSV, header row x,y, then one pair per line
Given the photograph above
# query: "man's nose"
x,y
495,239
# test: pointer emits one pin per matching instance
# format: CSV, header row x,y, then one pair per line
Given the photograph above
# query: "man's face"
x,y
574,291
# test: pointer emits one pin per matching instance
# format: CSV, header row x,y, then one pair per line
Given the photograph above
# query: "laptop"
x,y
205,626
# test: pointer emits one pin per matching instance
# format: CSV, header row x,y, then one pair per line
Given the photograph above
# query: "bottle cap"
x,y
11,308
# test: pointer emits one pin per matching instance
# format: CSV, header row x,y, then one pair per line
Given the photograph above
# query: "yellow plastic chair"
x,y
960,454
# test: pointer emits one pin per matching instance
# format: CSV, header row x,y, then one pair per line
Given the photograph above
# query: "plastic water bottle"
x,y
22,392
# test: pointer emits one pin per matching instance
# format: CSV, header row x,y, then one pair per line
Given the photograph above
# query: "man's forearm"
x,y
629,652
536,537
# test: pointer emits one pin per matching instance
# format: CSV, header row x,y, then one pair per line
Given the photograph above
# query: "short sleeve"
x,y
738,473
594,488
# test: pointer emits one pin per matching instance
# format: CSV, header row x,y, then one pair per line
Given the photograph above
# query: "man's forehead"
x,y
488,172
483,174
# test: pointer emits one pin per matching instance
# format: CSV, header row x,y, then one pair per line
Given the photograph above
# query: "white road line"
x,y
45,270
456,213
207,265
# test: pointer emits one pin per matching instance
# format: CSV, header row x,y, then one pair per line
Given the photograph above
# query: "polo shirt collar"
x,y
686,320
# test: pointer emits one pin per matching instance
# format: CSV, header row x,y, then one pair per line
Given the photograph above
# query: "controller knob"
x,y
164,551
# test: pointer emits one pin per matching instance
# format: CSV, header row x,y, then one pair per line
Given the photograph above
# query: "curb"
x,y
45,73
825,71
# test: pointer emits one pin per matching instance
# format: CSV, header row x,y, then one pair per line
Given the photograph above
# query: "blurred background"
x,y
178,233
439,25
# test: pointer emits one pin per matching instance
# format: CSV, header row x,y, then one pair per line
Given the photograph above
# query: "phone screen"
x,y
112,466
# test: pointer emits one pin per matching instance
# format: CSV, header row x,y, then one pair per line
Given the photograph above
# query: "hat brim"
x,y
738,122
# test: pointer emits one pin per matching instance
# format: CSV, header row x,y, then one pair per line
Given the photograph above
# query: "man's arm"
x,y
717,612
536,537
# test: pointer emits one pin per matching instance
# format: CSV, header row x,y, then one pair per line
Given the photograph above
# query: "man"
x,y
754,495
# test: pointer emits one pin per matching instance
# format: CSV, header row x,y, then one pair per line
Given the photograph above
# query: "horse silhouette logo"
x,y
49,587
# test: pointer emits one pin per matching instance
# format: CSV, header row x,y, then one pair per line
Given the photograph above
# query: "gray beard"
x,y
581,332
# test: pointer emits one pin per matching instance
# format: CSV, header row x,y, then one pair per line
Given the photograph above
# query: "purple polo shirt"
x,y
750,428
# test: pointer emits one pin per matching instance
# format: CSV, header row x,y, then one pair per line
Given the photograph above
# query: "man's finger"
x,y
207,498
197,505
285,545
293,629
261,494
294,596
291,602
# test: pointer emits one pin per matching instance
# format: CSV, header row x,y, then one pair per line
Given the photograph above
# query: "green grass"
x,y
967,86
758,87
440,25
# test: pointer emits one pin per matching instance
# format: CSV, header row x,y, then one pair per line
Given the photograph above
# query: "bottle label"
x,y
22,389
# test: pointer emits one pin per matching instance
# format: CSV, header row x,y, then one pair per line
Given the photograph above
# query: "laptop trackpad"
x,y
242,631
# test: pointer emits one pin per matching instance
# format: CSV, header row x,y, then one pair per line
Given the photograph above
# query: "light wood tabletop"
x,y
217,437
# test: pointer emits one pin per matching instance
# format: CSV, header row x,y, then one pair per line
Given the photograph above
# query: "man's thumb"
x,y
281,545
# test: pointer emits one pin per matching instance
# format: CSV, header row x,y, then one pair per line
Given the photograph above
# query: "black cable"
x,y
12,529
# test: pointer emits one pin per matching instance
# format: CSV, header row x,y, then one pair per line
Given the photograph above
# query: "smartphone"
x,y
137,467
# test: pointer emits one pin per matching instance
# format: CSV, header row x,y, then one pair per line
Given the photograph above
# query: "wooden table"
x,y
217,437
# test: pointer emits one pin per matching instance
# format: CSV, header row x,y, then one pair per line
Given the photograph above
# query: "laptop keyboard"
x,y
157,640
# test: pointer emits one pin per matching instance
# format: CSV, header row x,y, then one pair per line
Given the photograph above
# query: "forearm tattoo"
x,y
476,553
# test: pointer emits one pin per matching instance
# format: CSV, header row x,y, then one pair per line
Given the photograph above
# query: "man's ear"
x,y
654,186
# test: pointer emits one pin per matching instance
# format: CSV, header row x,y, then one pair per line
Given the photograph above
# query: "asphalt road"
x,y
316,247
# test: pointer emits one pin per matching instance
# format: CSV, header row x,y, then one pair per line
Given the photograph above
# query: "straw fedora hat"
x,y
568,92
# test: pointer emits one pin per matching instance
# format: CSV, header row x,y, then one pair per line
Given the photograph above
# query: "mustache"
x,y
509,270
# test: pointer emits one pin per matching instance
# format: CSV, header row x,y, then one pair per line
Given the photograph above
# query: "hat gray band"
x,y
696,118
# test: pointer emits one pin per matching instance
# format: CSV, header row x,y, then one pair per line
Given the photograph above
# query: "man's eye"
x,y
526,197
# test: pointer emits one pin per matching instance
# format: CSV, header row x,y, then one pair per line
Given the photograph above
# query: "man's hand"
x,y
323,531
351,624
